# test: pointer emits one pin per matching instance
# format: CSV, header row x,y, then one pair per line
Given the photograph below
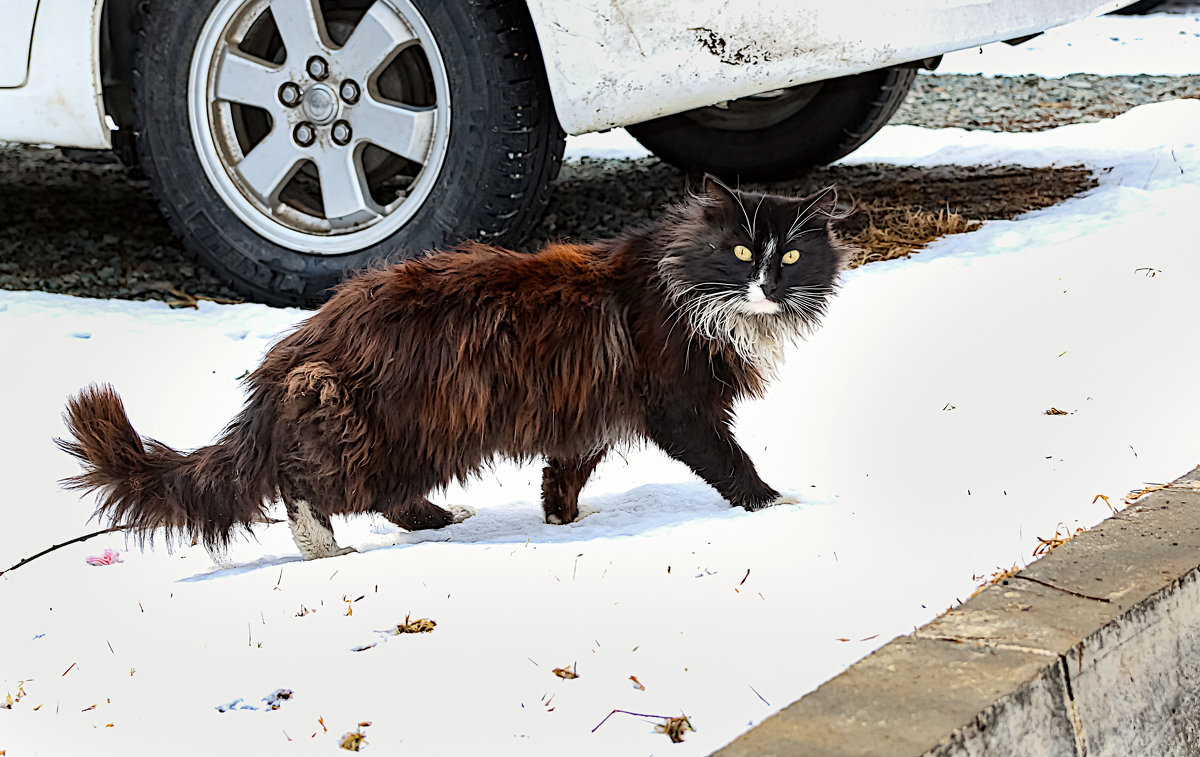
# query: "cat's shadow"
x,y
630,513
636,512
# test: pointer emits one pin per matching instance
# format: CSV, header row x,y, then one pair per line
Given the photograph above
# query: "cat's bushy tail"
x,y
143,484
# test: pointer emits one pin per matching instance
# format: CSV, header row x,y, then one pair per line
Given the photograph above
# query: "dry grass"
x,y
897,232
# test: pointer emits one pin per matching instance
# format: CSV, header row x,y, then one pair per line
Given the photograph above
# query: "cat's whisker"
x,y
754,221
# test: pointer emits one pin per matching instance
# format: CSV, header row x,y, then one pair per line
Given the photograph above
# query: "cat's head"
x,y
746,260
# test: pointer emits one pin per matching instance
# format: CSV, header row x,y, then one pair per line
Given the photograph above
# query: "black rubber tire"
x,y
844,114
1138,8
505,149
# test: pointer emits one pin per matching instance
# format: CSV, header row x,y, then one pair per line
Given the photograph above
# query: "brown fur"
x,y
422,374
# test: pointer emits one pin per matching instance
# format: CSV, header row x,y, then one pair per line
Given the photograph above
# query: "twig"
x,y
760,696
85,537
1063,589
635,714
109,530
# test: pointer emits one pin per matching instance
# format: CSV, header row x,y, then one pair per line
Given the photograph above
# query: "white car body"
x,y
609,62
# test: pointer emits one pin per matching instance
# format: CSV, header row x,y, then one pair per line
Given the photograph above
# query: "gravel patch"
x,y
1028,103
94,230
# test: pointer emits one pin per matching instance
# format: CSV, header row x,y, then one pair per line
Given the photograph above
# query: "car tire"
x,y
461,100
782,134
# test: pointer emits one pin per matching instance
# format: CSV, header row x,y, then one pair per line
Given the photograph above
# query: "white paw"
x,y
780,500
584,511
461,512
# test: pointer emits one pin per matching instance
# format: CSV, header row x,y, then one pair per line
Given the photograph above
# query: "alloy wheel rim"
x,y
323,132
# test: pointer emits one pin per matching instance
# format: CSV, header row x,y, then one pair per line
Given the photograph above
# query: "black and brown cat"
x,y
421,374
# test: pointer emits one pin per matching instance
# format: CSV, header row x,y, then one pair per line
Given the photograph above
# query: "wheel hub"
x,y
315,143
320,104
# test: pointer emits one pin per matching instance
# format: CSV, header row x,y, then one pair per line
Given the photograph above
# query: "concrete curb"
x,y
1091,650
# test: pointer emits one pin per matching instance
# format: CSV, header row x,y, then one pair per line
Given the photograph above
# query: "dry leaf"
x,y
353,741
1062,535
420,625
674,728
1055,411
566,673
637,684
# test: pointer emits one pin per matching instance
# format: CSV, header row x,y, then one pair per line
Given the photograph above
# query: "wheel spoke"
x,y
403,130
302,28
378,36
246,81
344,186
270,163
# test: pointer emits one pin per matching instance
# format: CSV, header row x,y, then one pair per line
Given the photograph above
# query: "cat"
x,y
420,374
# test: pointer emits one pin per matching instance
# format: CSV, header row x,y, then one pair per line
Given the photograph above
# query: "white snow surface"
x,y
911,427
1158,43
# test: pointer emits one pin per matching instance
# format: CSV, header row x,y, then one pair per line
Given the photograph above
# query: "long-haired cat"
x,y
420,374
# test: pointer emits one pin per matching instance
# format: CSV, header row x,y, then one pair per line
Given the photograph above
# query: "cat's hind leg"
x,y
419,513
562,480
312,531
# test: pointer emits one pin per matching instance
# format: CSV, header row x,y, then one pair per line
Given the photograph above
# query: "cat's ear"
x,y
716,191
821,205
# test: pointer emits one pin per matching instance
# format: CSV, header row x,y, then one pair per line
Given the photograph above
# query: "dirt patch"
x,y
899,210
895,210
95,230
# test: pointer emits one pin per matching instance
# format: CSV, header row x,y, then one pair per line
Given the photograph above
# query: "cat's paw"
x,y
461,513
584,511
344,551
780,500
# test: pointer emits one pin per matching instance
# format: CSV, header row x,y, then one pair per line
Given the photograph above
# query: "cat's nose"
x,y
769,288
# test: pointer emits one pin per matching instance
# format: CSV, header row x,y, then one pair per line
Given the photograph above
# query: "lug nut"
x,y
318,68
289,95
304,134
349,91
341,132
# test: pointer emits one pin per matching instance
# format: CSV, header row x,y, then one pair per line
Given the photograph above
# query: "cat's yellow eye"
x,y
791,256
742,252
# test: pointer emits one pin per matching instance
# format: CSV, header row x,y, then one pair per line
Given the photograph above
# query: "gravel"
x,y
94,229
1028,103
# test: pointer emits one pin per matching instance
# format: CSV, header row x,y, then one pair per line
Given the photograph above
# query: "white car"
x,y
289,141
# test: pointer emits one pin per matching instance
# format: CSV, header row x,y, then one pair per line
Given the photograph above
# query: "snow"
x,y
1158,43
615,143
911,427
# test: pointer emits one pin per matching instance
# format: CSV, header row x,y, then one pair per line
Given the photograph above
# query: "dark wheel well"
x,y
120,21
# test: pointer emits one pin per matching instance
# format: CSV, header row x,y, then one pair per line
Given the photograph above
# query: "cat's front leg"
x,y
562,479
706,445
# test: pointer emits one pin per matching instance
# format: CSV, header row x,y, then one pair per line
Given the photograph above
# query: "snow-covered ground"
x,y
1158,43
912,427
